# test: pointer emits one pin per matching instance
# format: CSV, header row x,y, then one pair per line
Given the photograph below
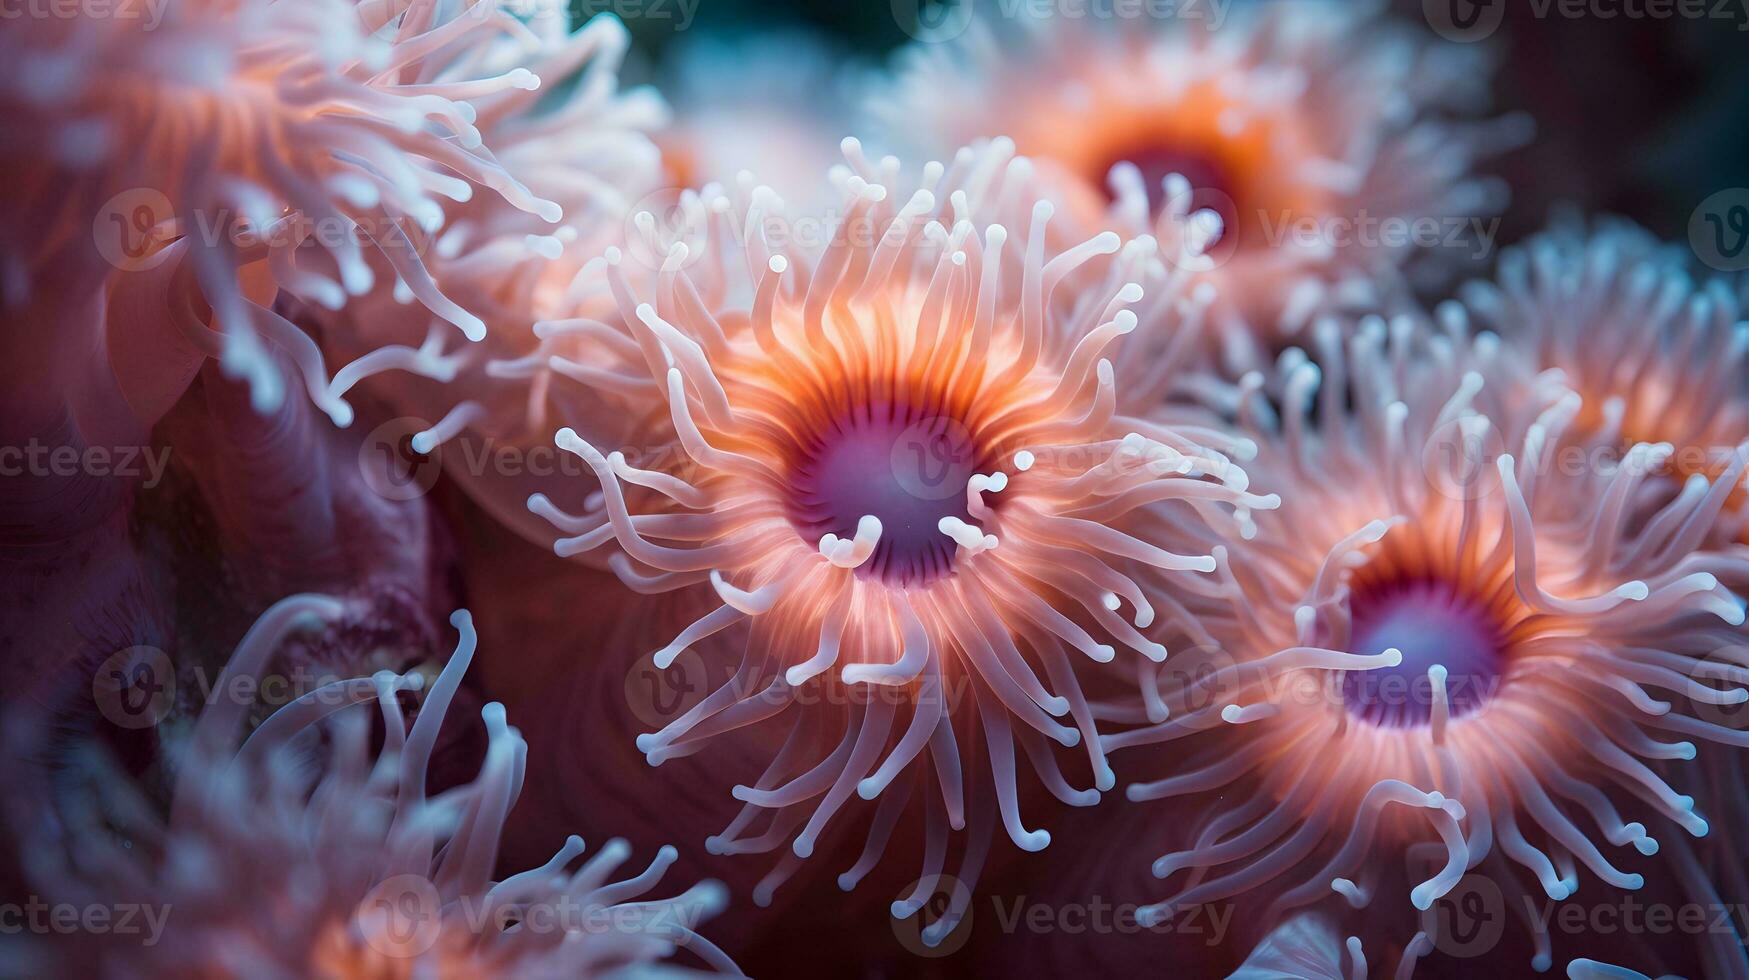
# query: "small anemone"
x,y
1311,136
1657,355
296,850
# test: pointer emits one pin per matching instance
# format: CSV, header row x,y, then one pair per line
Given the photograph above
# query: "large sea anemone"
x,y
297,851
1523,667
898,466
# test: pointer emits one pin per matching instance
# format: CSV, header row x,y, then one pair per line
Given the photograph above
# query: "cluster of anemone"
x,y
1054,440
298,852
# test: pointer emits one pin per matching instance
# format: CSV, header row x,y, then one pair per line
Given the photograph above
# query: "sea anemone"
x,y
1657,356
893,456
1332,143
1512,651
580,141
168,179
182,179
1660,357
297,852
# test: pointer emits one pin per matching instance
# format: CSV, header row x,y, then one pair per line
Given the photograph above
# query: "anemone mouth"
x,y
1440,628
895,460
1429,591
1207,172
